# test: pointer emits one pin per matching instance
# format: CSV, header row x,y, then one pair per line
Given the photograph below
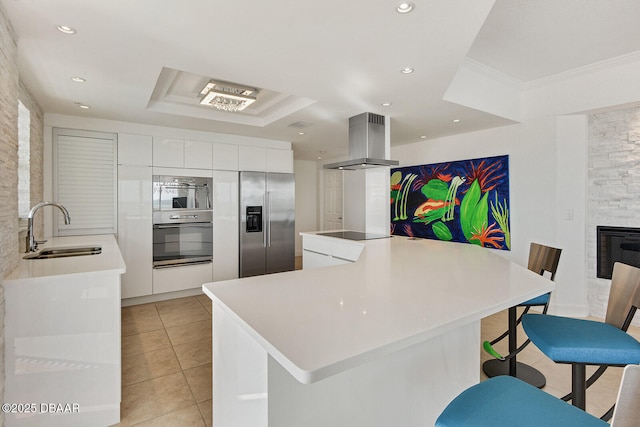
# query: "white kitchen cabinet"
x,y
252,158
173,279
135,150
261,159
177,153
321,251
135,229
168,152
226,224
279,160
311,259
198,155
63,336
225,156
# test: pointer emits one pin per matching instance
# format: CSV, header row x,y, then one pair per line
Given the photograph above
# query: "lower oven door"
x,y
182,243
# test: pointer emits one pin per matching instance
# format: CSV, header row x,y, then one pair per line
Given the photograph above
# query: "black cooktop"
x,y
353,235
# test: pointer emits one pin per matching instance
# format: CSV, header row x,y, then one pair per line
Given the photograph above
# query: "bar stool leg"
x,y
513,340
578,386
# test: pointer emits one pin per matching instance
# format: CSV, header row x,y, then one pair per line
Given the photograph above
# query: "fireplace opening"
x,y
616,244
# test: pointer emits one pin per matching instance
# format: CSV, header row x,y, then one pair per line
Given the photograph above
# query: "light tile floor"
x,y
166,364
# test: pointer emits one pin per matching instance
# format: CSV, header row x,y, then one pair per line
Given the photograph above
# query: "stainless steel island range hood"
x,y
366,144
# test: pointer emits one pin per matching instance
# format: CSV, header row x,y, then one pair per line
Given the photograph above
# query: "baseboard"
x,y
160,297
569,310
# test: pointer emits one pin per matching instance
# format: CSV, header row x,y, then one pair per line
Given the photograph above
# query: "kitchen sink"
x,y
64,252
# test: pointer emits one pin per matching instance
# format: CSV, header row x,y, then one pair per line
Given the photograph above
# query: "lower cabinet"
x,y
173,279
62,336
135,229
319,251
226,223
312,259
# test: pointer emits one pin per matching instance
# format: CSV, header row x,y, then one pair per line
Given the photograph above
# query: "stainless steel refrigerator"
x,y
267,223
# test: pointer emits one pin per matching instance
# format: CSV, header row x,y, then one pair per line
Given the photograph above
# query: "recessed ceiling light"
x,y
66,30
78,79
300,133
386,104
83,106
405,7
407,70
423,136
456,120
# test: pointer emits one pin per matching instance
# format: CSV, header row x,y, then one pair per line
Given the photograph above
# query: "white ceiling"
x,y
321,62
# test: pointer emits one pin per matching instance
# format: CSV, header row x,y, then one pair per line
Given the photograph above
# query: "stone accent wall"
x,y
8,167
613,188
11,237
36,190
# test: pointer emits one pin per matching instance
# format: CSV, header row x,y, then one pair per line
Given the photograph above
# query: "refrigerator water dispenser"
x,y
254,219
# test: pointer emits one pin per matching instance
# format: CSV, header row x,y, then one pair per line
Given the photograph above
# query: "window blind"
x,y
85,181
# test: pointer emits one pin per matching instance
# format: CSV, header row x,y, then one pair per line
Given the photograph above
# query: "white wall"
x,y
306,201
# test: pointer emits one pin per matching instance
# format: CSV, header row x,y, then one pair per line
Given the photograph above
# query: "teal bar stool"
x,y
582,342
542,259
509,402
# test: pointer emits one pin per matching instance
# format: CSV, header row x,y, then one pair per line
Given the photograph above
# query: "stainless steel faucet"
x,y
32,243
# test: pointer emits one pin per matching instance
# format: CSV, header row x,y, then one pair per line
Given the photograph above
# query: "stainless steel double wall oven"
x,y
182,221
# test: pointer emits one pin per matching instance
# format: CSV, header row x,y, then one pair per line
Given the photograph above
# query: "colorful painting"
x,y
463,201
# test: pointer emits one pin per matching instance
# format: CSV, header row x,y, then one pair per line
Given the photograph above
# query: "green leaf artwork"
x,y
462,201
442,231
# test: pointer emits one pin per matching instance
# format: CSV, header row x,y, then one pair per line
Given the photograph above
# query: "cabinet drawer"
x,y
337,248
180,278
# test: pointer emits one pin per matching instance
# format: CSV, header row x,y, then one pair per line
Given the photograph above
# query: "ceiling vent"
x,y
300,125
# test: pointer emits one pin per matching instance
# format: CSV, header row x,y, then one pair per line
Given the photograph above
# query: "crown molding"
x,y
582,71
492,73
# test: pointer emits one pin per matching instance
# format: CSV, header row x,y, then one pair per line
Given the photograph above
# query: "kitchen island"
x,y
388,339
62,337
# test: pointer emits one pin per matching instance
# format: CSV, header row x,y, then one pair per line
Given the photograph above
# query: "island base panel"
x,y
409,387
239,375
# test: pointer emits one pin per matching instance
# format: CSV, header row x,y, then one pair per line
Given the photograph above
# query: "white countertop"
x,y
109,260
400,292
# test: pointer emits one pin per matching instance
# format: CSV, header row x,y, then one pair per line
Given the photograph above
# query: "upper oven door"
x,y
181,192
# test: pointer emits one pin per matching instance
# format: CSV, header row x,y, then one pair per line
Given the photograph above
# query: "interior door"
x,y
332,200
280,205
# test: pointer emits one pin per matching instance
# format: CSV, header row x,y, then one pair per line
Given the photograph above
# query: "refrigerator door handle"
x,y
268,219
265,220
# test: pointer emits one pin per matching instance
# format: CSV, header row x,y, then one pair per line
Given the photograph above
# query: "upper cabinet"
x,y
261,159
252,158
279,160
134,150
197,155
185,154
178,153
225,157
168,152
